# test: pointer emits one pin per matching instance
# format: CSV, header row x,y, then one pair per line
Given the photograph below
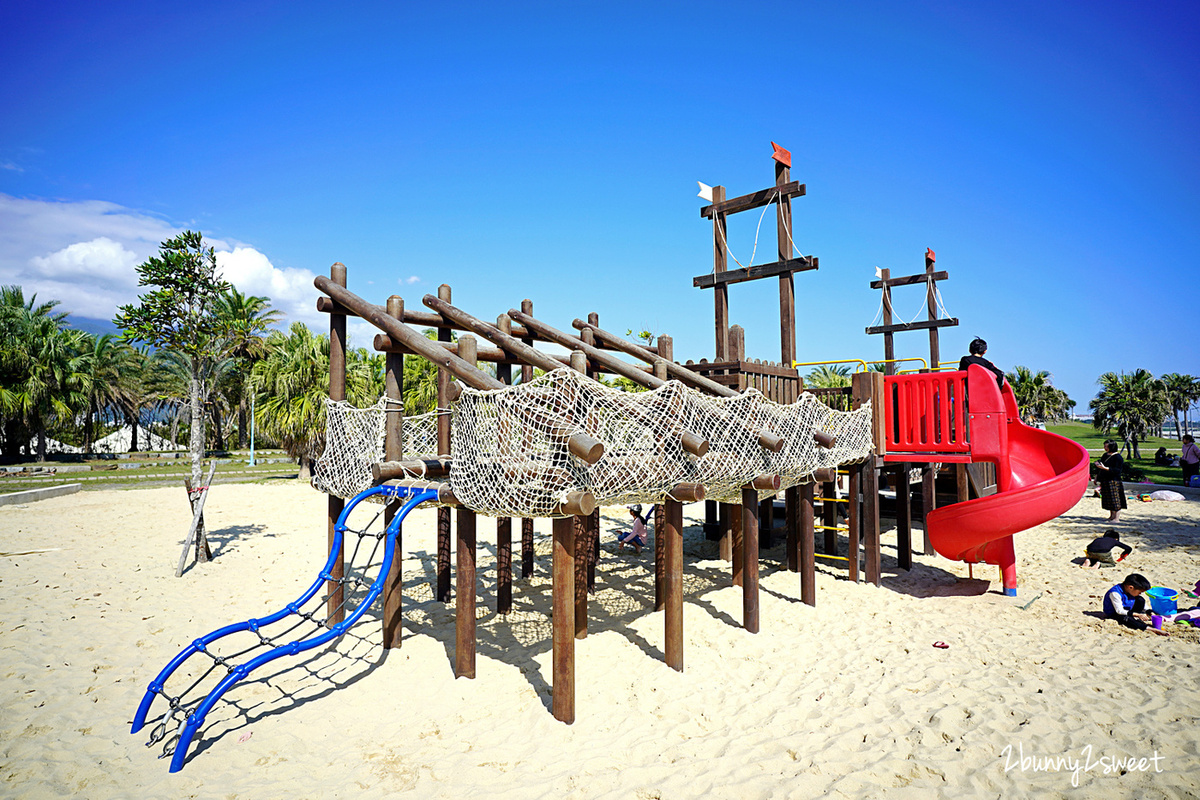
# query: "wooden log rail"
x,y
581,445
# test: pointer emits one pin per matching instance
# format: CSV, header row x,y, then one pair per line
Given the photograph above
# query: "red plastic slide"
x,y
1039,475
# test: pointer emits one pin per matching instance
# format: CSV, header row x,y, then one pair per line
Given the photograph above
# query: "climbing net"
x,y
510,455
354,441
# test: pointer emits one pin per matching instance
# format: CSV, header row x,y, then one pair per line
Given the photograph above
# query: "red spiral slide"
x,y
1039,476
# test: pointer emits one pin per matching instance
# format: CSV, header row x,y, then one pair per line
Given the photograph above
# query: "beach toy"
x,y
1156,621
1162,600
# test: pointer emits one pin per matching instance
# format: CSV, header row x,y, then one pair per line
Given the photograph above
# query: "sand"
x,y
848,699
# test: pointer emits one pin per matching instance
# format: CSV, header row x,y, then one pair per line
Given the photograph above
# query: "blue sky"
x,y
1046,151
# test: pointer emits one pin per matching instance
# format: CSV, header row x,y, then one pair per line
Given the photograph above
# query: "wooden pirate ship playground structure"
x,y
735,433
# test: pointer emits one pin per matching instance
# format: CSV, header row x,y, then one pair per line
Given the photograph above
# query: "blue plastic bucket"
x,y
1162,600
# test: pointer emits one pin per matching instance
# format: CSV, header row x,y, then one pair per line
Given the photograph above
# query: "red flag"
x,y
930,255
782,156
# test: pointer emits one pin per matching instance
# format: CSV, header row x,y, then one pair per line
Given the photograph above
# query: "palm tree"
x,y
1131,404
291,386
114,373
1036,397
1181,393
828,376
248,317
420,381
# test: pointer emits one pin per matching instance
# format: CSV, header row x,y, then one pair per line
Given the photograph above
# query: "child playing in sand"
x,y
1099,552
637,534
1125,604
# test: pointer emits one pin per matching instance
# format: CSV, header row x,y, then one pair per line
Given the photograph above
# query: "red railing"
x,y
926,414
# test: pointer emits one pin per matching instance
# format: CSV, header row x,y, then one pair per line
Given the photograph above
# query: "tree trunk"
x,y
305,469
196,449
41,442
133,429
243,438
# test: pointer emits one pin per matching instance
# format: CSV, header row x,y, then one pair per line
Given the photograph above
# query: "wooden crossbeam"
x,y
914,326
911,279
754,200
775,268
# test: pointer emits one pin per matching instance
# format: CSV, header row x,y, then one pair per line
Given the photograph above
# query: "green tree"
x,y
291,385
248,318
1036,396
114,371
828,376
1182,391
179,314
1131,404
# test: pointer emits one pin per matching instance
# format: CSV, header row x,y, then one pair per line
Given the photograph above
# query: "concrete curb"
x,y
44,493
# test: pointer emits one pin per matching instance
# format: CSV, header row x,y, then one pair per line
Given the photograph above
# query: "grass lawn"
x,y
1093,440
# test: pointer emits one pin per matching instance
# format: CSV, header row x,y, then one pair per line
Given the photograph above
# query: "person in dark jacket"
x,y
1125,604
1099,552
976,349
1108,473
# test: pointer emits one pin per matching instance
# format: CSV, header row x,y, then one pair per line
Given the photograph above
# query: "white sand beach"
x,y
848,699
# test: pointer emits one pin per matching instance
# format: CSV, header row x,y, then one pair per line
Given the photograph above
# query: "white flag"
x,y
705,191
878,272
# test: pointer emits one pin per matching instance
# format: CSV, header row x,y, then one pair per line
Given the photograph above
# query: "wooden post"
x,y
928,500
750,559
766,522
583,543
720,263
504,573
593,529
526,522
935,353
737,352
672,533
962,489
393,450
737,547
889,347
791,504
870,486
787,296
443,445
807,546
854,520
464,606
660,556
725,521
563,620
903,518
337,391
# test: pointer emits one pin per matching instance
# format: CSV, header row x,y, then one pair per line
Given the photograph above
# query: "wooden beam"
x,y
753,200
337,391
807,546
914,326
908,280
775,268
393,449
672,533
563,619
464,572
903,518
750,559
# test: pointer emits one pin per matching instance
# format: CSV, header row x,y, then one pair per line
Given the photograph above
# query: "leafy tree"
x,y
114,372
1036,397
828,376
179,314
291,385
1131,404
1182,392
248,318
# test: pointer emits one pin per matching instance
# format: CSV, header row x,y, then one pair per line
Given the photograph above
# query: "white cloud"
x,y
412,279
84,254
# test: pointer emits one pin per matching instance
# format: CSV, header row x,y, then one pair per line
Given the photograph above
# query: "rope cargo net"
x,y
509,455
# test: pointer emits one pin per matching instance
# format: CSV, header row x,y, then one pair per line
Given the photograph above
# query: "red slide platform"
x,y
1039,476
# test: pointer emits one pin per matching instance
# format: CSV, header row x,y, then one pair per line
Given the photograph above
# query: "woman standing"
x,y
1108,472
1189,459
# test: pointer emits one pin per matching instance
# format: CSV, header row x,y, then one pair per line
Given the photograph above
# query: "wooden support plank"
x,y
787,290
563,619
504,572
807,546
736,542
337,391
908,280
783,268
870,486
527,523
919,325
750,559
720,265
791,506
753,200
725,524
672,534
766,522
443,445
660,556
464,573
962,491
928,499
903,517
935,351
393,450
582,548
854,520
